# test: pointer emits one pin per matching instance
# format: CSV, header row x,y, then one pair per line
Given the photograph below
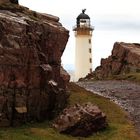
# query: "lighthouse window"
x,y
90,70
83,21
89,50
90,60
89,41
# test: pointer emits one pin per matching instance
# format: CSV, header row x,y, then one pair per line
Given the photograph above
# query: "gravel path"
x,y
124,93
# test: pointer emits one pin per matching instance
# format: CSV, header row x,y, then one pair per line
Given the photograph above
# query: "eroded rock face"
x,y
33,85
81,120
125,58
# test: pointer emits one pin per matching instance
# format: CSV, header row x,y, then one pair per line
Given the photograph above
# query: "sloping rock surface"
x,y
32,82
125,58
81,120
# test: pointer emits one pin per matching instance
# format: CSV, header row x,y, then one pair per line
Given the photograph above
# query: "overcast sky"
x,y
114,20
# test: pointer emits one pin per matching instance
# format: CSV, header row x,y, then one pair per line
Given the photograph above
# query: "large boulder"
x,y
32,82
125,58
81,120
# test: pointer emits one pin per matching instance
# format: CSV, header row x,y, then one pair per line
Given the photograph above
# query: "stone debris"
x,y
81,120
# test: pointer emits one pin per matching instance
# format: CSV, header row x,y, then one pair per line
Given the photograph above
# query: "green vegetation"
x,y
135,77
120,128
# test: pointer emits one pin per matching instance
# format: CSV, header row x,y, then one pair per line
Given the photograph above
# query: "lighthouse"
x,y
83,45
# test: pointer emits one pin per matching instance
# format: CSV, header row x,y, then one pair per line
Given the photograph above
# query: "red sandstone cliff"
x,y
125,58
32,82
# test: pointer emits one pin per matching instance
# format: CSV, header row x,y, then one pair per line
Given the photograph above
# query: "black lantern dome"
x,y
82,17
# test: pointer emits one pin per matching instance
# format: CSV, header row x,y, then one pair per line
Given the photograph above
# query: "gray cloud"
x,y
116,22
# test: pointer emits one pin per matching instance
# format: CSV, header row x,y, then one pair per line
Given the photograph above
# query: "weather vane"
x,y
83,11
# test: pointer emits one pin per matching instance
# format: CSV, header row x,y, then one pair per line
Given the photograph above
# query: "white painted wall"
x,y
82,56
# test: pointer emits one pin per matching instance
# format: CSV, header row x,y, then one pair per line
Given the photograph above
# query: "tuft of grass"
x,y
120,128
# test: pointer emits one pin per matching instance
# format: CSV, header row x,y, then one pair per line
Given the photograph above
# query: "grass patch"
x,y
120,128
135,77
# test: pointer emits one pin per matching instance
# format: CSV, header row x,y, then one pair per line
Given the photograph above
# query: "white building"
x,y
83,49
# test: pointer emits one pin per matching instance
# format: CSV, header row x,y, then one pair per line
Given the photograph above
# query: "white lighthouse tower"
x,y
83,50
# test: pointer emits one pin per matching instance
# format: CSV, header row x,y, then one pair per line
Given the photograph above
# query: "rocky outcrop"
x,y
125,58
8,1
32,82
81,120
